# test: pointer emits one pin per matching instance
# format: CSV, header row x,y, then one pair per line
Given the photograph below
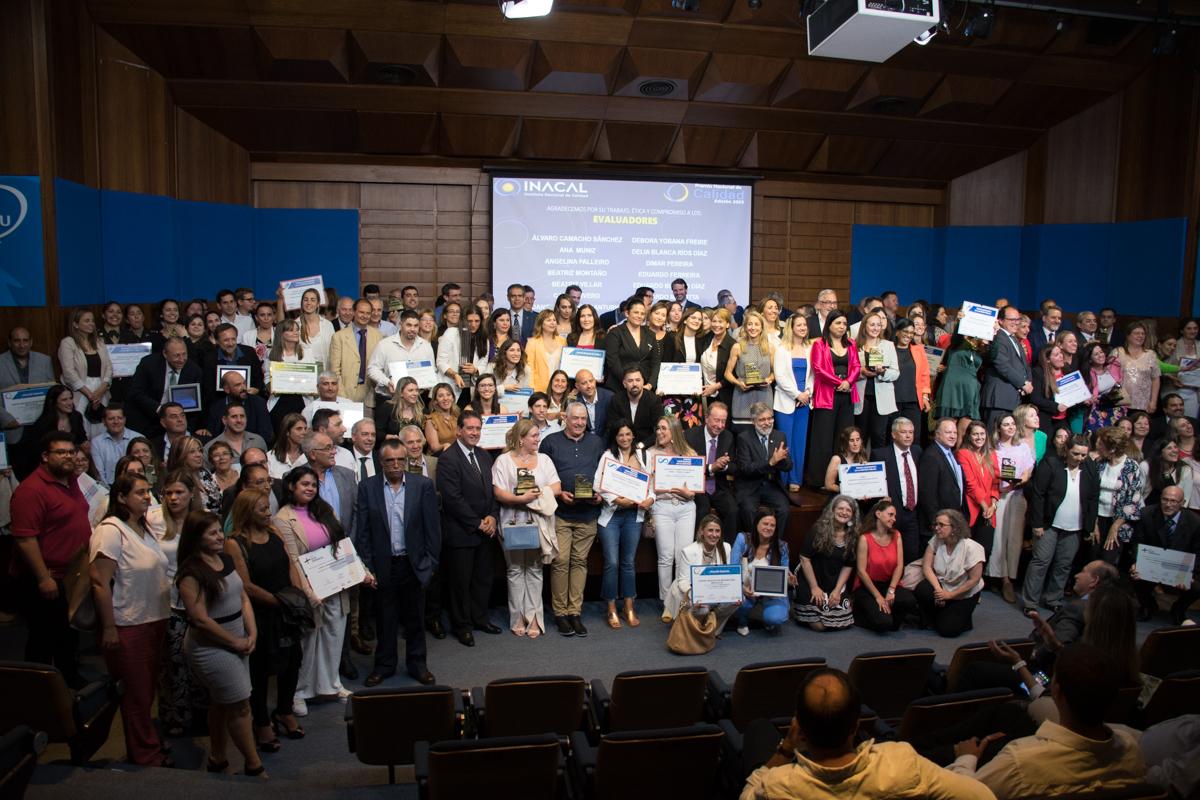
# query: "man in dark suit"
x,y
1108,330
900,459
613,317
1172,527
229,353
762,461
522,320
464,481
827,303
1064,500
939,477
148,389
679,290
636,407
398,536
1043,334
595,399
716,444
1172,406
1007,376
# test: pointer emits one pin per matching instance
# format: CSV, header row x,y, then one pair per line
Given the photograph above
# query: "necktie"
x,y
1168,531
362,468
1051,336
362,355
766,446
474,463
910,489
174,378
710,484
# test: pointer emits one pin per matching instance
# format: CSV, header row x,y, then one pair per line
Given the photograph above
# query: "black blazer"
x,y
1046,405
753,466
1149,530
621,352
725,395
245,358
1049,487
146,390
937,487
467,496
599,425
649,409
895,479
422,528
696,439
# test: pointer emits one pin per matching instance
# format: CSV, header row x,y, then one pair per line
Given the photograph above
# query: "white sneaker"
x,y
300,707
743,631
343,694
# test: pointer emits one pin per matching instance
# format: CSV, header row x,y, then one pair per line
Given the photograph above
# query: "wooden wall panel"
x,y
18,128
136,122
1081,165
208,167
993,195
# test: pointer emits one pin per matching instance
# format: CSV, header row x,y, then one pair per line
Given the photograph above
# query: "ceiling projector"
x,y
868,30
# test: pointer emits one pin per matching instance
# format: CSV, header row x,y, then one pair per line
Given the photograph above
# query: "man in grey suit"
x,y
1007,376
20,364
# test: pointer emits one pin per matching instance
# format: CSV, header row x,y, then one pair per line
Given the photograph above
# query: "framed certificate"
x,y
978,320
293,291
26,403
1189,372
294,377
679,379
223,369
716,583
187,395
126,357
863,481
623,480
329,574
576,358
679,472
515,401
495,428
351,412
1072,390
769,581
423,372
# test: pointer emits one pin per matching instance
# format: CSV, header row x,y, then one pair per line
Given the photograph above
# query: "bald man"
x,y
1172,527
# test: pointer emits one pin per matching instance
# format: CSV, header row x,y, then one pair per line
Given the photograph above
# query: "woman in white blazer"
x,y
793,393
707,549
880,369
86,367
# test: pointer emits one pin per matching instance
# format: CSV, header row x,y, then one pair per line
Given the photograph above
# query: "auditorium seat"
x,y
927,714
765,690
1170,650
531,705
1178,694
525,767
1124,707
980,652
36,695
888,681
19,750
647,699
677,762
384,724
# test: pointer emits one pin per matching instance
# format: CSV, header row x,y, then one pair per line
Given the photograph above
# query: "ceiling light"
x,y
524,9
924,38
1167,40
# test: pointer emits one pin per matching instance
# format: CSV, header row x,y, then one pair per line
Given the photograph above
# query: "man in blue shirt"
x,y
108,448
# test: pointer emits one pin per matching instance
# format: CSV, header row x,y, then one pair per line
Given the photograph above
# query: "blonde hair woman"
x,y
750,368
543,350
792,366
86,368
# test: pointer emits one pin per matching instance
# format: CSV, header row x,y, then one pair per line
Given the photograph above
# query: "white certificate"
x,y
934,356
1105,384
623,480
716,583
327,574
351,412
495,428
1168,567
978,321
423,372
1190,377
769,581
1072,390
294,289
678,472
224,368
3,451
515,401
294,377
863,481
577,358
679,379
126,357
26,404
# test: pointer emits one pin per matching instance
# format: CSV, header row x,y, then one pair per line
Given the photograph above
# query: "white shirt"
x,y
393,349
387,329
953,569
358,463
140,591
1110,482
343,458
1068,517
279,468
912,468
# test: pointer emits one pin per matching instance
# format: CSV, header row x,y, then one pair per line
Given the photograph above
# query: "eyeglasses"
x,y
70,452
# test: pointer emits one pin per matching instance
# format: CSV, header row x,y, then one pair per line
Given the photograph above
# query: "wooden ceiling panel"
x,y
742,79
1034,106
848,155
634,142
935,160
781,150
709,147
622,7
284,130
477,62
709,10
192,52
675,73
407,134
772,13
304,55
890,90
407,59
563,139
818,84
478,136
572,68
964,98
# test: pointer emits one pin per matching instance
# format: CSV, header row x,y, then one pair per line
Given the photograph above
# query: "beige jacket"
x,y
74,363
296,545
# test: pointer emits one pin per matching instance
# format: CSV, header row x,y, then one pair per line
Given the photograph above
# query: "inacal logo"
x,y
10,221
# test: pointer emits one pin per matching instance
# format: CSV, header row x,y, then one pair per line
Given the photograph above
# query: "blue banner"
x,y
22,270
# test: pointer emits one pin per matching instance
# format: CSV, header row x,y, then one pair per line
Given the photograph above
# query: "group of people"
x,y
194,522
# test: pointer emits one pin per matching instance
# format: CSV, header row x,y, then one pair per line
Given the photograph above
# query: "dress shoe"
x,y
359,646
374,679
436,630
466,638
347,669
577,626
564,626
422,675
488,627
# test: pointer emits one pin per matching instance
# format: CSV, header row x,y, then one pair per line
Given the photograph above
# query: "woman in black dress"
x,y
631,344
827,557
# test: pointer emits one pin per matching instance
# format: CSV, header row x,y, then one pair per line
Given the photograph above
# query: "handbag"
x,y
77,583
517,536
691,635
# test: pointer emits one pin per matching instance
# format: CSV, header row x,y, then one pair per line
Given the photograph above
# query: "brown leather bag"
x,y
691,635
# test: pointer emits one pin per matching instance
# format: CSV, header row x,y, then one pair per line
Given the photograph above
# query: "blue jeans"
x,y
618,542
775,610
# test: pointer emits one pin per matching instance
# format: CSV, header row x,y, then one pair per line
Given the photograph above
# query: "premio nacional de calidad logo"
x,y
507,187
677,193
13,209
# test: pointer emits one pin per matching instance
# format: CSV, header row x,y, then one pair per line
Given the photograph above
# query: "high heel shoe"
x,y
217,766
614,621
282,729
631,617
255,772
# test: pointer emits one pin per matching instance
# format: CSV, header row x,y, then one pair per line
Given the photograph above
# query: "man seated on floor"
x,y
1077,754
1172,527
818,757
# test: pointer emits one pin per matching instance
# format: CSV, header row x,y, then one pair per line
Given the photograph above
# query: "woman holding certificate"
x,y
793,393
835,391
750,369
761,547
708,549
620,527
87,369
286,348
674,511
1016,466
315,331
876,401
827,564
509,368
851,449
715,358
686,347
521,477
1052,414
543,350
